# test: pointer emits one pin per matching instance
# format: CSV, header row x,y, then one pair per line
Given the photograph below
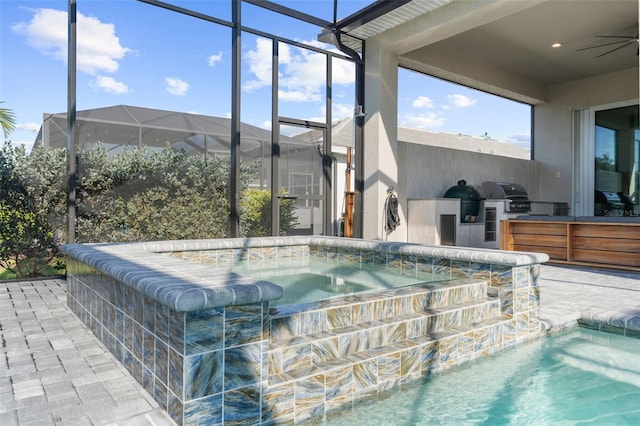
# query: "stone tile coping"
x,y
185,286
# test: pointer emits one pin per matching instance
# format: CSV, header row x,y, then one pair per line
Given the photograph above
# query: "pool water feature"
x,y
213,347
578,377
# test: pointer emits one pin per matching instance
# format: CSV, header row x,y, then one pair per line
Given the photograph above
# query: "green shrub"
x,y
134,195
255,218
140,195
30,197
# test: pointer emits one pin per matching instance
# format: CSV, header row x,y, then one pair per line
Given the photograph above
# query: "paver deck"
x,y
608,300
53,371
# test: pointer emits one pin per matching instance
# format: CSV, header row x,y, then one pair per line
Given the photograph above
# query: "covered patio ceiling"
x,y
504,46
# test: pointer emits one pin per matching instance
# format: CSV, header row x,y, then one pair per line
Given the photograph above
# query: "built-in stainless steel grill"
x,y
517,199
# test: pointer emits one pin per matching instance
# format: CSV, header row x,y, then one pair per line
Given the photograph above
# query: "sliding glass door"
x,y
607,161
617,153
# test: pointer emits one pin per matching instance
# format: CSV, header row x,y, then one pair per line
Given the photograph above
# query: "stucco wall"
x,y
553,125
430,171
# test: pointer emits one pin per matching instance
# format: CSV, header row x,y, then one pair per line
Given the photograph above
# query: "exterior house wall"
x,y
554,126
430,171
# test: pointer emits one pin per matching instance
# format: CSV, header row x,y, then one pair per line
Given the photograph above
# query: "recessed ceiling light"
x,y
556,45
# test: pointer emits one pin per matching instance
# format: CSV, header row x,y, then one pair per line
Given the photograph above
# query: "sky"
x,y
133,53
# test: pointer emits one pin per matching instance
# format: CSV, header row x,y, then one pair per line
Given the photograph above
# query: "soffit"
x,y
395,17
520,42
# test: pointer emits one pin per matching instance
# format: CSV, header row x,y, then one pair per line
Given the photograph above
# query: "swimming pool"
x,y
577,377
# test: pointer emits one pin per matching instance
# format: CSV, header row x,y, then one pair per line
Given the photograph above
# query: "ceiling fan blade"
x,y
613,50
603,45
613,36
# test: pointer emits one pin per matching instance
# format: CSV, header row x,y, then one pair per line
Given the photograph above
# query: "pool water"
x,y
577,377
319,278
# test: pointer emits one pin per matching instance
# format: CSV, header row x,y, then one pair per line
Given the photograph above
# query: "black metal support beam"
x,y
71,123
236,67
185,11
274,7
275,143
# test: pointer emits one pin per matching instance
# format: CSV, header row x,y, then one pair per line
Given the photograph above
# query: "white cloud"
x,y
302,72
522,140
341,111
110,85
214,59
29,127
343,72
98,47
260,64
298,96
422,102
422,121
175,86
461,101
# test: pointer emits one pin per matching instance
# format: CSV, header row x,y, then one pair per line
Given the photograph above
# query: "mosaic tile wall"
x,y
178,356
247,364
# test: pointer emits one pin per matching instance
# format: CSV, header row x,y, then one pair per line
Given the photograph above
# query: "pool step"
x,y
386,366
325,354
289,321
314,348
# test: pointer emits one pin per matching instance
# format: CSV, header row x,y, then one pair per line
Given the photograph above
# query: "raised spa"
x,y
215,345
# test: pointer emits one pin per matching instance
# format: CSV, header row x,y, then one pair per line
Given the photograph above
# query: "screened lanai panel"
x,y
217,146
168,119
115,114
216,126
54,132
112,136
159,139
90,133
192,133
169,71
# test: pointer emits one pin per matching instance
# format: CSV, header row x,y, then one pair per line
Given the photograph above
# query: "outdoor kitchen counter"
x,y
603,241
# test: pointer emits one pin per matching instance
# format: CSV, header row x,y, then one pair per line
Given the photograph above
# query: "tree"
x,y
604,162
7,121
